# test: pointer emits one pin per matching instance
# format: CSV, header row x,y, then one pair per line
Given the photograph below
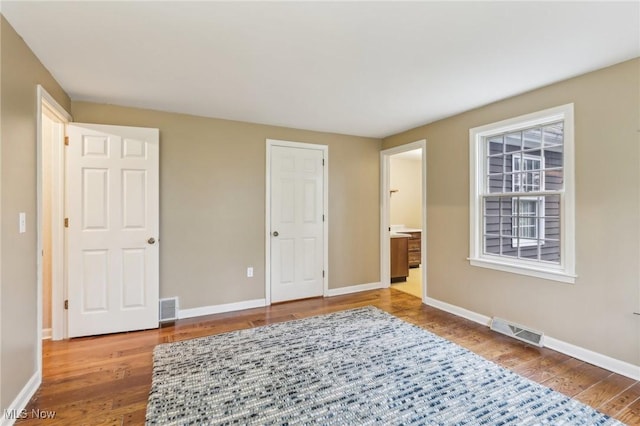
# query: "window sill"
x,y
544,273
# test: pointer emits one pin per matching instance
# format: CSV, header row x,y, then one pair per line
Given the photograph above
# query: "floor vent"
x,y
517,331
169,309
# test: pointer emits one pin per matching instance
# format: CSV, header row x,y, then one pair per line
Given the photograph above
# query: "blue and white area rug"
x,y
353,367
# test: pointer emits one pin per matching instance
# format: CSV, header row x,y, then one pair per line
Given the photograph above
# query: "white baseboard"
x,y
219,309
352,289
595,358
461,312
615,365
259,303
46,333
14,410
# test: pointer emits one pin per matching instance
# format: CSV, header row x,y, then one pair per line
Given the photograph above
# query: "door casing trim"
x,y
45,100
325,200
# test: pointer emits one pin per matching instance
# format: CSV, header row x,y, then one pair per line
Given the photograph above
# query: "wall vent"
x,y
169,309
517,331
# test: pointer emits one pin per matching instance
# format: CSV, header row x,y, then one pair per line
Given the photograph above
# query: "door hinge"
x,y
66,222
66,304
323,218
66,140
323,273
323,161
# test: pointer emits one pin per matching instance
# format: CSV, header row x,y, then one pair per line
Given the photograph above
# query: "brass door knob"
x,y
151,240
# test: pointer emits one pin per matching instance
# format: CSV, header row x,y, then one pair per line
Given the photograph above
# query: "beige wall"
x,y
212,203
405,205
596,312
21,72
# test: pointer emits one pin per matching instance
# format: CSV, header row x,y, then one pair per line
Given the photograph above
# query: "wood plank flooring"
x,y
105,380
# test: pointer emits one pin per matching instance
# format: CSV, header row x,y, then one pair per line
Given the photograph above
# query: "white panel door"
x,y
112,236
297,246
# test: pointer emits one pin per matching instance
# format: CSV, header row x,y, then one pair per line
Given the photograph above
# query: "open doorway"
x,y
403,227
405,219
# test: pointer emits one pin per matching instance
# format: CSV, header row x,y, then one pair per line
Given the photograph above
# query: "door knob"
x,y
151,240
275,233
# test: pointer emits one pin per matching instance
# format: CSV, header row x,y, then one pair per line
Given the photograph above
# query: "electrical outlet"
x,y
250,272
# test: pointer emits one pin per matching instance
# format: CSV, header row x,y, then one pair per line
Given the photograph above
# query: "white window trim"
x,y
565,271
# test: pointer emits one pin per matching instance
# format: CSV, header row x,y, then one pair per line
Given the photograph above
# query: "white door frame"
x,y
44,99
325,225
385,188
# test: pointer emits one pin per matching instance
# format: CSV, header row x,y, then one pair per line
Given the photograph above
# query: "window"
x,y
528,230
522,201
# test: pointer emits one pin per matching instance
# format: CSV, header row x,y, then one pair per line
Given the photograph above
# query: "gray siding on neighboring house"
x,y
499,211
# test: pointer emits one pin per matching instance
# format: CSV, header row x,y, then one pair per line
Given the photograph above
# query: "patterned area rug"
x,y
353,367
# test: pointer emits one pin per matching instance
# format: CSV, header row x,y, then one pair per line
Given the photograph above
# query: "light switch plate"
x,y
250,272
22,219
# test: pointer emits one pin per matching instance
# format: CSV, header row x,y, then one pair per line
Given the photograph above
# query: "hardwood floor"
x,y
105,380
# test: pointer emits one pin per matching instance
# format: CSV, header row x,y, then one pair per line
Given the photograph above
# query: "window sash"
x,y
521,165
514,234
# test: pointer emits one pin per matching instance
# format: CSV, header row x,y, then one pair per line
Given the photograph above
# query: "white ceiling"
x,y
360,68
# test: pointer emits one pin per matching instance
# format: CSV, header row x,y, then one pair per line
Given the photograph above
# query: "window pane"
x,y
551,228
550,251
491,224
553,157
491,206
529,249
508,250
506,206
532,139
513,142
492,244
494,165
506,226
553,180
551,207
495,183
506,167
494,145
495,178
553,134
